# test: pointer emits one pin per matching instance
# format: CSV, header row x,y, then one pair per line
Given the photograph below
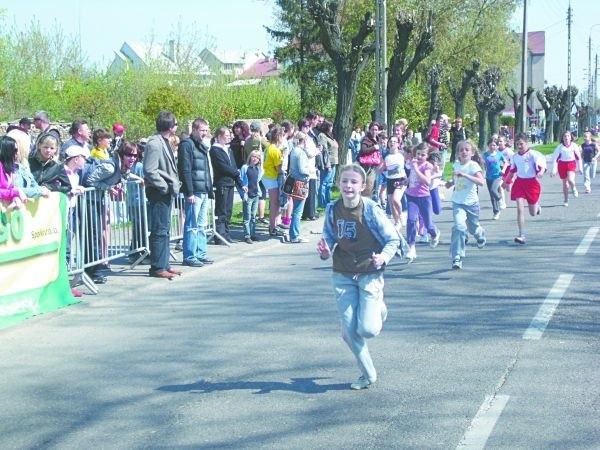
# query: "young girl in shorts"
x,y
527,166
362,240
567,159
467,174
395,177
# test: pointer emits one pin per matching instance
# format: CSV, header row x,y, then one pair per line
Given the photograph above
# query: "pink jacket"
x,y
8,191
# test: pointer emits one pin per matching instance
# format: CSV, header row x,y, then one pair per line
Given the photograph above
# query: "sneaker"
x,y
423,239
481,242
299,241
192,263
284,226
520,240
566,204
248,240
275,232
588,190
411,255
384,312
179,246
457,263
262,220
361,383
433,243
496,216
76,293
539,211
575,192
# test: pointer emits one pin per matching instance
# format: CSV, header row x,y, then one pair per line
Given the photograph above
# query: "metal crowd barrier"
x,y
106,225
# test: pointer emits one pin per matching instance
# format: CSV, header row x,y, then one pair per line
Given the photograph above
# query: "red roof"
x,y
266,67
536,42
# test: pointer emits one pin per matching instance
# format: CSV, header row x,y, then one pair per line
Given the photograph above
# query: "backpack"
x,y
101,173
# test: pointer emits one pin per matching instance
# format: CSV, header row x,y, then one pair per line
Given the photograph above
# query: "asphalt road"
x,y
246,353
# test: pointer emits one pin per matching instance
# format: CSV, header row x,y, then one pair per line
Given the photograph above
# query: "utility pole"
x,y
523,116
569,18
590,81
381,63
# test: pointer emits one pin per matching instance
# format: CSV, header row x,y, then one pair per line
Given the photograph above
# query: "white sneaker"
x,y
384,311
411,255
566,204
575,192
496,216
361,383
435,241
423,239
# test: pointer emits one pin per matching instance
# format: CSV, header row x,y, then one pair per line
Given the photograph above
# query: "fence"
x,y
103,226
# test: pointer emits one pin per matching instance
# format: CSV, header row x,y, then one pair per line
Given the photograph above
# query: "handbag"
x,y
370,159
297,189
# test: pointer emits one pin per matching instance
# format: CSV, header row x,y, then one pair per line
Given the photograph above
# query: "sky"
x,y
238,25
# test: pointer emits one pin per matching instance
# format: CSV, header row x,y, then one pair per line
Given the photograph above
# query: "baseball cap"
x,y
255,126
118,128
76,150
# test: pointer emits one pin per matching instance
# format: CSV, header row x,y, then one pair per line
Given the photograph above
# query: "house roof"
x,y
264,67
536,42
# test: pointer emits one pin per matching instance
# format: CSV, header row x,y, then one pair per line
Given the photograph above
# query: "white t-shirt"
x,y
394,166
465,191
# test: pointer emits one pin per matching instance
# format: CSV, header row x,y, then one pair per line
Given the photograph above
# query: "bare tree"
x,y
401,68
459,93
349,57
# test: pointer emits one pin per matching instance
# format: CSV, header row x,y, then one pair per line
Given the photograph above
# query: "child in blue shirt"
x,y
494,165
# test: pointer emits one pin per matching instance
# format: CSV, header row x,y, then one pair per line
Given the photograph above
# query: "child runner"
x,y
362,241
528,166
466,176
494,161
396,180
589,155
567,159
419,200
507,153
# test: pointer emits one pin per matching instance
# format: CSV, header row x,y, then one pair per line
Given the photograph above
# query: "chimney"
x,y
171,53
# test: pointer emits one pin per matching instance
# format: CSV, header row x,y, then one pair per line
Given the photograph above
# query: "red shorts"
x,y
566,166
527,188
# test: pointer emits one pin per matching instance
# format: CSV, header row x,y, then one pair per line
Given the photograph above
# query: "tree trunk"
x,y
494,120
483,132
342,127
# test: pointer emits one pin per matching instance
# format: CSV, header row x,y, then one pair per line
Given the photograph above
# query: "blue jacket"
x,y
375,218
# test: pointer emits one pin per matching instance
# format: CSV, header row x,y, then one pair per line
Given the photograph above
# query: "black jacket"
x,y
193,167
224,171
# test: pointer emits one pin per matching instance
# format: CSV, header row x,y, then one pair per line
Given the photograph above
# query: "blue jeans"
x,y
194,234
250,209
296,215
327,177
159,212
466,220
359,303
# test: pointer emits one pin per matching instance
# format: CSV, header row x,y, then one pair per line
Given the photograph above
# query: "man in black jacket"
x,y
226,177
193,165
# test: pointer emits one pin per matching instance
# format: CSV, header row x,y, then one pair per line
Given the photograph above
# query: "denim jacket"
x,y
375,218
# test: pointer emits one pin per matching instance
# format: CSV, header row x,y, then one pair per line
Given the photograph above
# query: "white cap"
x,y
76,150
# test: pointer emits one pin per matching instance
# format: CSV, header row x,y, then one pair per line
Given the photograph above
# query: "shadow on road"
x,y
300,385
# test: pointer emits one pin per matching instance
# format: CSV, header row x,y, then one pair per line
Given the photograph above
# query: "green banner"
x,y
33,259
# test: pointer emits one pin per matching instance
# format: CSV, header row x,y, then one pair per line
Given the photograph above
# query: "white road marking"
x,y
587,240
483,423
544,315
